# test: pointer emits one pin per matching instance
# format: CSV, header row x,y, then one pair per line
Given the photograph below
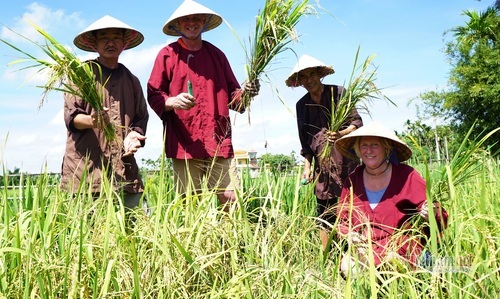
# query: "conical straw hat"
x,y
345,144
305,62
85,40
190,7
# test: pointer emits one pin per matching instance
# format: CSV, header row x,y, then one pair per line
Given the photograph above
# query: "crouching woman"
x,y
383,208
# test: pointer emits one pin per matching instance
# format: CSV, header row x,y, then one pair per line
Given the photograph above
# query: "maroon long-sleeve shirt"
x,y
204,131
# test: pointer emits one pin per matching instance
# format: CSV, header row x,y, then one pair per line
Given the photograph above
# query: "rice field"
x,y
54,245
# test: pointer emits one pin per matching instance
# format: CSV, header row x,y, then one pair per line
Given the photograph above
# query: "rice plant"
x,y
65,73
274,31
54,245
360,92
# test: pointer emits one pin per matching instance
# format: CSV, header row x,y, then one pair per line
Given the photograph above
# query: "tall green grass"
x,y
55,246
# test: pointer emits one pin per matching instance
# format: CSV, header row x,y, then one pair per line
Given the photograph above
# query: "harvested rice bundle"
x,y
361,91
274,30
66,73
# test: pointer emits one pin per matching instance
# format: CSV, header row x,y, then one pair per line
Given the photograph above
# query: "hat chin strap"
x,y
86,42
175,29
206,23
132,35
391,158
382,163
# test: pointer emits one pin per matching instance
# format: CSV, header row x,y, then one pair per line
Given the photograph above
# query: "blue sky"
x,y
405,35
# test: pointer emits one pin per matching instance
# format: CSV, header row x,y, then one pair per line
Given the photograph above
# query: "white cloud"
x,y
58,118
49,20
140,60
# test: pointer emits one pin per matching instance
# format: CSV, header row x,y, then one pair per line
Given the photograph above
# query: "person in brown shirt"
x,y
89,156
313,122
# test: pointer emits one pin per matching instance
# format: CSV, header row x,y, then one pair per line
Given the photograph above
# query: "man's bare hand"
x,y
100,119
132,143
183,101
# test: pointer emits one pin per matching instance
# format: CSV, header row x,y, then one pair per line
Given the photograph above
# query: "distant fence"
x,y
16,180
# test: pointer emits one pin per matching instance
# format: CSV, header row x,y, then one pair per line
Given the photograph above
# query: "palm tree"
x,y
482,26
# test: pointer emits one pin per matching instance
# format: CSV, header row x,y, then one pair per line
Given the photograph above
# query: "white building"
x,y
246,160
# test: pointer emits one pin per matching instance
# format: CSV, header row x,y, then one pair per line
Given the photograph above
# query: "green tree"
x,y
428,143
277,163
482,26
473,96
150,165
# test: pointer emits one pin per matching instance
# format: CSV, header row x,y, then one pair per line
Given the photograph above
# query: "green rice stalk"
x,y
274,30
360,92
273,252
65,73
465,164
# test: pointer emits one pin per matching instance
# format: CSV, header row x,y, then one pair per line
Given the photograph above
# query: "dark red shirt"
x,y
204,131
403,198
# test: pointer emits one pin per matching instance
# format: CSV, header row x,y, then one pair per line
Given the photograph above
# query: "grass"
x,y
56,246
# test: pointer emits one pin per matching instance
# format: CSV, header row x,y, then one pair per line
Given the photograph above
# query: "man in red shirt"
x,y
191,88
